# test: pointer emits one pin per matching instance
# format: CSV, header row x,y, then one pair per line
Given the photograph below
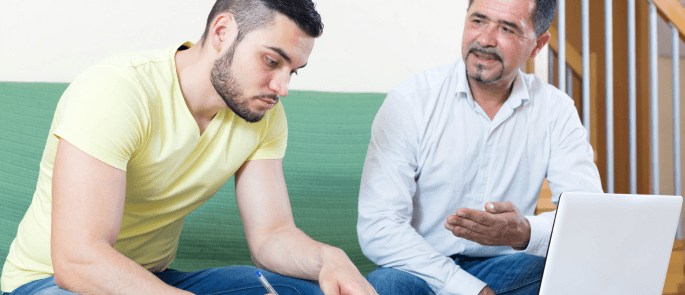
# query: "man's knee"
x,y
394,281
515,274
532,264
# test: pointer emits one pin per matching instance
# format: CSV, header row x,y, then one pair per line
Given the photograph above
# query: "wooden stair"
x,y
675,278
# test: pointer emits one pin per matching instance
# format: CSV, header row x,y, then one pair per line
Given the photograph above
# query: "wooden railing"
x,y
671,11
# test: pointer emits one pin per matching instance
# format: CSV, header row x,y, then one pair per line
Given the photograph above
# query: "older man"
x,y
142,139
452,141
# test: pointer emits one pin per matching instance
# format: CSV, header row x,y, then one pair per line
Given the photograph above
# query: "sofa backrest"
x,y
328,137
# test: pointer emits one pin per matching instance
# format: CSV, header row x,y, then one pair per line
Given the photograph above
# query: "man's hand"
x,y
501,224
339,276
487,291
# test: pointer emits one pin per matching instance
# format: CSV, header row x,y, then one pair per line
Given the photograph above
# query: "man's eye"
x,y
271,62
293,72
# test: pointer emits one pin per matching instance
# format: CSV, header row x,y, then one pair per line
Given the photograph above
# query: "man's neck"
x,y
198,92
491,96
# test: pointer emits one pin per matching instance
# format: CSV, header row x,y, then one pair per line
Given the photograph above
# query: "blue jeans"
x,y
234,280
515,274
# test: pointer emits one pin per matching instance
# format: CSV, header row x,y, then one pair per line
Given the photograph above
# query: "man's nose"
x,y
488,37
279,85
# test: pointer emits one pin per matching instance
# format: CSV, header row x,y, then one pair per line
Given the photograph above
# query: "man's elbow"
x,y
369,243
370,228
71,266
257,261
258,252
61,282
64,274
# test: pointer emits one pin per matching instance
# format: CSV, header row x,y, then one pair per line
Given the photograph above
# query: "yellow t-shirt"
x,y
129,112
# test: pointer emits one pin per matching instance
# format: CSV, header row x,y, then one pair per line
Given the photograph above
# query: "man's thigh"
x,y
507,274
236,280
390,281
46,286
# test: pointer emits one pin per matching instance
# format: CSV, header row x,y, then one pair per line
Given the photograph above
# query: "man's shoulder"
x,y
132,73
132,61
129,78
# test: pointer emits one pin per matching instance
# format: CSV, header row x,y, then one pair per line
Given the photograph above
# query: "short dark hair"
x,y
542,16
253,14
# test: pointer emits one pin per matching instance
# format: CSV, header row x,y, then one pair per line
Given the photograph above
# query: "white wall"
x,y
367,46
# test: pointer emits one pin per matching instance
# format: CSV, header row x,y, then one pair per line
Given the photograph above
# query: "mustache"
x,y
481,50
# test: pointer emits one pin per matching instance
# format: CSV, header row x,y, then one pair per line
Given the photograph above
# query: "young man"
x,y
141,140
459,138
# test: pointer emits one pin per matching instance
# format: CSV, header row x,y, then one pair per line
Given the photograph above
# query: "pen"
x,y
265,283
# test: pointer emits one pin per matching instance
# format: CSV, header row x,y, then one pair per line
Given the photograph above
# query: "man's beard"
x,y
478,75
227,87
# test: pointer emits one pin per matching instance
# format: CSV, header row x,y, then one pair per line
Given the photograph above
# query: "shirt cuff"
x,y
462,283
540,232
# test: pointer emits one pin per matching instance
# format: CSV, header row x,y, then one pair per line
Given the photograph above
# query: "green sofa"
x,y
329,134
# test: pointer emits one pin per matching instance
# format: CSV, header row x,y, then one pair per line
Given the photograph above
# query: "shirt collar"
x,y
462,89
519,93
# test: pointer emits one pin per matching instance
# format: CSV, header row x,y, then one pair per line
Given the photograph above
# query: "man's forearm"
x,y
276,244
103,270
290,252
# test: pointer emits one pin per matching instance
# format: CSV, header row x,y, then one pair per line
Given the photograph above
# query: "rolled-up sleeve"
x,y
385,203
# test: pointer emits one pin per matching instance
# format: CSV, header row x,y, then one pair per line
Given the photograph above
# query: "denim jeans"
x,y
515,274
234,280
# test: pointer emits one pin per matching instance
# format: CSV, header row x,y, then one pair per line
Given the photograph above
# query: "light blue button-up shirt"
x,y
434,150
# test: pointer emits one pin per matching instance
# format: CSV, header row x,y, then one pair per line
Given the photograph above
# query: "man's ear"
x,y
540,43
223,31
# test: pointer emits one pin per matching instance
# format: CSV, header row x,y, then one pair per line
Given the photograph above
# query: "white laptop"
x,y
610,244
